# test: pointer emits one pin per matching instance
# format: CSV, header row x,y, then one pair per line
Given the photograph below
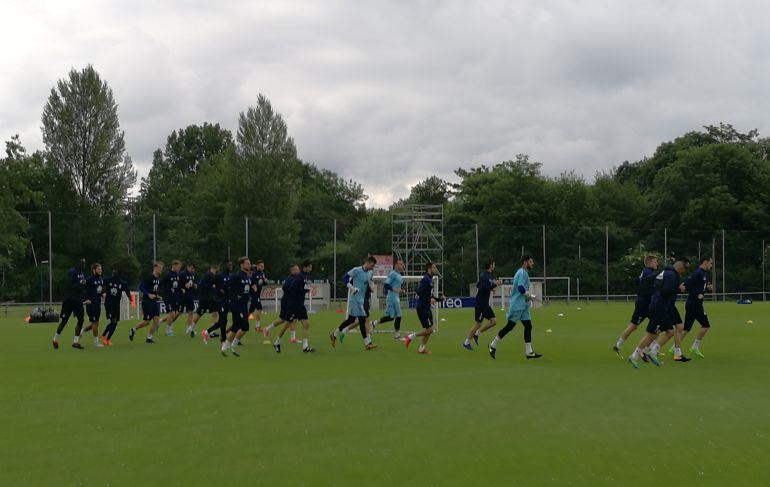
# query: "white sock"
x,y
375,323
422,348
467,342
277,341
224,345
654,348
695,344
528,348
494,342
234,342
76,339
294,335
619,343
270,327
367,340
637,352
345,330
677,351
304,343
257,324
149,336
96,339
56,337
336,332
477,333
411,336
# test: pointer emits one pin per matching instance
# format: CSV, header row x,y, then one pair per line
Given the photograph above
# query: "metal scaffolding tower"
x,y
418,237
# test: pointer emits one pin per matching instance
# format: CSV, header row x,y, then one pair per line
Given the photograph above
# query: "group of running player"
x,y
656,301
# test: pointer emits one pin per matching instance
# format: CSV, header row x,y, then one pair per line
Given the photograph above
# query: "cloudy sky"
x,y
388,93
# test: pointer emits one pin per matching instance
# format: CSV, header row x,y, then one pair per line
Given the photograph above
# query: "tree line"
x,y
206,182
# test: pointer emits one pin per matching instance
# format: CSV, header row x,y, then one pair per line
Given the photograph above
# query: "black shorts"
x,y
188,303
240,313
72,306
483,312
112,311
299,312
694,312
173,303
94,312
641,312
255,305
206,306
426,317
660,320
150,310
676,318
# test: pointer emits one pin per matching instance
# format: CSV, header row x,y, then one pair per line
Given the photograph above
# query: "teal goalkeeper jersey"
x,y
394,281
359,278
518,301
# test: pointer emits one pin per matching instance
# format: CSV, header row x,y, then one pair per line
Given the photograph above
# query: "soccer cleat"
x,y
682,358
169,333
191,333
131,334
653,359
644,358
616,350
533,355
55,344
407,341
223,351
214,334
397,336
476,339
341,337
277,347
98,345
78,346
333,339
308,350
424,352
371,346
205,336
634,363
467,346
492,351
234,351
103,340
294,340
109,343
697,353
149,340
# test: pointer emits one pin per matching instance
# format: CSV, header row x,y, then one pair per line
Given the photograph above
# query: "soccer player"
x,y
115,287
425,299
645,284
93,302
663,315
296,301
221,304
697,284
259,279
483,311
74,295
358,284
240,290
518,309
207,304
392,288
189,288
149,287
172,296
285,315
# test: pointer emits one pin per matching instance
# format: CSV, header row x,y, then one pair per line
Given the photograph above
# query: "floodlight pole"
x,y
247,237
478,269
50,261
665,243
607,263
714,268
154,241
764,297
334,277
545,273
724,295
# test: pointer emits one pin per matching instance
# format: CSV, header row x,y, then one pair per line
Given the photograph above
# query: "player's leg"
x,y
78,311
472,333
705,326
509,325
153,328
64,315
426,321
528,352
365,333
258,318
339,333
306,336
285,321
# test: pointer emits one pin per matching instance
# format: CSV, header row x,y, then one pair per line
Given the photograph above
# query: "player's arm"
x,y
350,275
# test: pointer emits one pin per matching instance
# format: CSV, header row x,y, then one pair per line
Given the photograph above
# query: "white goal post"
x,y
408,286
536,286
130,308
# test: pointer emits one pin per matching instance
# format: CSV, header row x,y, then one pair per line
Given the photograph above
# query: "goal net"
x,y
537,286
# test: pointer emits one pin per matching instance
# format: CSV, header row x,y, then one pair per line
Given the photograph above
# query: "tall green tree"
x,y
83,139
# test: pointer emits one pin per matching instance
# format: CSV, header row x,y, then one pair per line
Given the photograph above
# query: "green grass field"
x,y
177,413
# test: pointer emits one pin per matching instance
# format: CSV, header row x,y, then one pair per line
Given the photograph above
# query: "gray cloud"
x,y
388,93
